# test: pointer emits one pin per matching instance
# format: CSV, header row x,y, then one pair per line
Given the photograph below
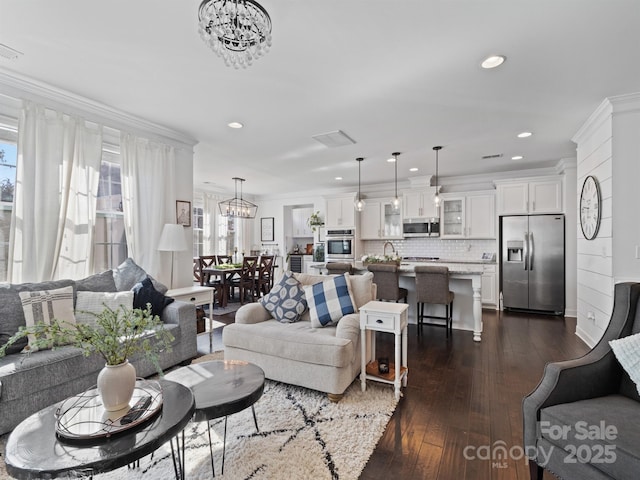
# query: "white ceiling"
x,y
394,75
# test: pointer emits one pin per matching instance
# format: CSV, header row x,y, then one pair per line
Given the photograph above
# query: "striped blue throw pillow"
x,y
329,301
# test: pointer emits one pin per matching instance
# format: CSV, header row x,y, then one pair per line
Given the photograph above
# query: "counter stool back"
x,y
432,286
337,268
387,279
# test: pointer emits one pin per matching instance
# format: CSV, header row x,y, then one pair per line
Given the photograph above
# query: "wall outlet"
x,y
591,316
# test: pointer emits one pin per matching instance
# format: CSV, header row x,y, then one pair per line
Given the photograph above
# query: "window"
x,y
110,242
8,163
198,231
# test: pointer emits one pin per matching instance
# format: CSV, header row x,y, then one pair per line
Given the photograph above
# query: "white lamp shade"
x,y
172,238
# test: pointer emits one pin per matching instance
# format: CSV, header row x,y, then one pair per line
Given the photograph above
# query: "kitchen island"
x,y
465,280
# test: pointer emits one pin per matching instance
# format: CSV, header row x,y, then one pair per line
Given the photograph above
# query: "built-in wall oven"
x,y
339,245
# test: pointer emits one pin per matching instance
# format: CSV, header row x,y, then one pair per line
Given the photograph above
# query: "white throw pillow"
x,y
95,302
627,351
45,305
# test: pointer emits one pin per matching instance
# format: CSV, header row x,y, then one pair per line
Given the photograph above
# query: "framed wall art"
x,y
266,229
183,213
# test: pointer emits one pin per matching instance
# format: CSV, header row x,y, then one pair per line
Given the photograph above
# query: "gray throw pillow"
x,y
100,282
129,273
286,301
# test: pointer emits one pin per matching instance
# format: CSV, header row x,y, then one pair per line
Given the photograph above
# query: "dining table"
x,y
225,273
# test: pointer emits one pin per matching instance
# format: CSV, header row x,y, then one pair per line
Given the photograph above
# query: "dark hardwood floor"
x,y
462,396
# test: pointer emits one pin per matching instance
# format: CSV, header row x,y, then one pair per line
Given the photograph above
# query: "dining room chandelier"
x,y
239,31
237,207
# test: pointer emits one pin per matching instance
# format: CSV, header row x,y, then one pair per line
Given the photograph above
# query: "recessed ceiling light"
x,y
338,178
517,157
235,125
413,169
524,134
493,61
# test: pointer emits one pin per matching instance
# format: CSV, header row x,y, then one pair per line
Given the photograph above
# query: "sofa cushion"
x,y
129,273
286,301
144,292
90,303
602,430
11,314
100,282
627,351
292,341
43,306
329,301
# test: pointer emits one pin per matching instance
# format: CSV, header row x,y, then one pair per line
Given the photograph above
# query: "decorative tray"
x,y
83,417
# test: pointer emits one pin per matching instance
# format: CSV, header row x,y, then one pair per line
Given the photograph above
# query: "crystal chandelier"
x,y
239,31
237,207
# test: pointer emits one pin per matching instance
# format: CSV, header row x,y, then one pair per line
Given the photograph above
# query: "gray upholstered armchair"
x,y
583,419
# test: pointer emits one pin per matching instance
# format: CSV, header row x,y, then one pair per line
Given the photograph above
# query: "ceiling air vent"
x,y
334,139
495,155
8,52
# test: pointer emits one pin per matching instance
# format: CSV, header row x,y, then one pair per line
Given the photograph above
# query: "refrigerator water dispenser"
x,y
515,250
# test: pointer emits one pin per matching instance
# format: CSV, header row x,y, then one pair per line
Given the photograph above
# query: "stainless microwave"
x,y
421,227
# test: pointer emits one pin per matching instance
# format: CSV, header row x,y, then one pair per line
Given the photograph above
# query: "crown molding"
x,y
25,88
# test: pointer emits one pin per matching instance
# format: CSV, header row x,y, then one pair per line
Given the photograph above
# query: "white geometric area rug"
x,y
302,435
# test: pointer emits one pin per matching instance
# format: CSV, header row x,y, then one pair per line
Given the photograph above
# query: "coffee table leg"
x,y
179,465
213,470
255,420
224,443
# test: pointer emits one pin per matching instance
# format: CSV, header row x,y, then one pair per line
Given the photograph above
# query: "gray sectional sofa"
x,y
31,382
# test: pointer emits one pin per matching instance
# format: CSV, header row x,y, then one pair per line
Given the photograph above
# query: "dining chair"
x,y
432,286
337,268
246,281
204,262
387,279
197,273
264,277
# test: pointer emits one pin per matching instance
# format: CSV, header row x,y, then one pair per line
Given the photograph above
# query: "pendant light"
x,y
395,201
436,197
359,202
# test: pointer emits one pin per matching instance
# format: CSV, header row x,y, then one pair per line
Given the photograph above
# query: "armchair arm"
x,y
349,327
179,313
252,313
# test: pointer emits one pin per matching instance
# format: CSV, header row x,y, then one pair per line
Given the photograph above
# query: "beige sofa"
x,y
325,359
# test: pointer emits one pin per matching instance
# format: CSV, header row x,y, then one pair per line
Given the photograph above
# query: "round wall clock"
x,y
590,208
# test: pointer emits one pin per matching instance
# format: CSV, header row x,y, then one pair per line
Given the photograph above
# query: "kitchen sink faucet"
x,y
384,248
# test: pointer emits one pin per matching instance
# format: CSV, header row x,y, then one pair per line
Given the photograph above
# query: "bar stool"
x,y
432,286
387,279
337,268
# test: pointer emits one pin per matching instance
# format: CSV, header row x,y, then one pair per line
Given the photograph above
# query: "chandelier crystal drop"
x,y
238,31
360,204
237,207
395,201
436,196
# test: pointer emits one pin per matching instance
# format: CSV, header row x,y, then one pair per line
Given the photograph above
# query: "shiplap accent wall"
x,y
608,147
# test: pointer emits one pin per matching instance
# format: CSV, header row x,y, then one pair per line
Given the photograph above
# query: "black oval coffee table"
x,y
221,388
35,451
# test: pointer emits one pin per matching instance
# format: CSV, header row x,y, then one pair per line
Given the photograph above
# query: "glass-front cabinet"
x,y
452,222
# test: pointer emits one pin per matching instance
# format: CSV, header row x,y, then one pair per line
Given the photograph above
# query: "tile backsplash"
x,y
462,249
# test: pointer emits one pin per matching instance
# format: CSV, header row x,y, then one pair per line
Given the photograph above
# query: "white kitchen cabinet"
x,y
341,212
468,216
490,286
543,195
419,203
379,220
299,217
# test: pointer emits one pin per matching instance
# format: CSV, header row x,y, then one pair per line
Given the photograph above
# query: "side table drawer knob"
x,y
193,299
379,321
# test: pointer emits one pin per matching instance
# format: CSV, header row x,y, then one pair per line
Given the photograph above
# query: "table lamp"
x,y
172,240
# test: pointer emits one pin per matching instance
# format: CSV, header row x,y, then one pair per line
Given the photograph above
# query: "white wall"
x,y
609,149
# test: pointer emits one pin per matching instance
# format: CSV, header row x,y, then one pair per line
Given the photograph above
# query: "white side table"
x,y
198,295
384,317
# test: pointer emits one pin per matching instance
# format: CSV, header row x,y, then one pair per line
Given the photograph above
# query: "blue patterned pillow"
x,y
286,301
329,301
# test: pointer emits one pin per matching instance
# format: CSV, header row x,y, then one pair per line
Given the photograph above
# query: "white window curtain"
x,y
209,226
56,183
148,200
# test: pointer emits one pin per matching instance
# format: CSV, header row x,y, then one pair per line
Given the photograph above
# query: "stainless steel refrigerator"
x,y
532,263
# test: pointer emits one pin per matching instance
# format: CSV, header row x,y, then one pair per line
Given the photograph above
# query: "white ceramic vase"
x,y
116,384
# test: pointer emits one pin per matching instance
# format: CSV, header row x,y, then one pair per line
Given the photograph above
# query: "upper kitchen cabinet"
x,y
539,195
419,203
379,221
299,222
468,216
341,212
